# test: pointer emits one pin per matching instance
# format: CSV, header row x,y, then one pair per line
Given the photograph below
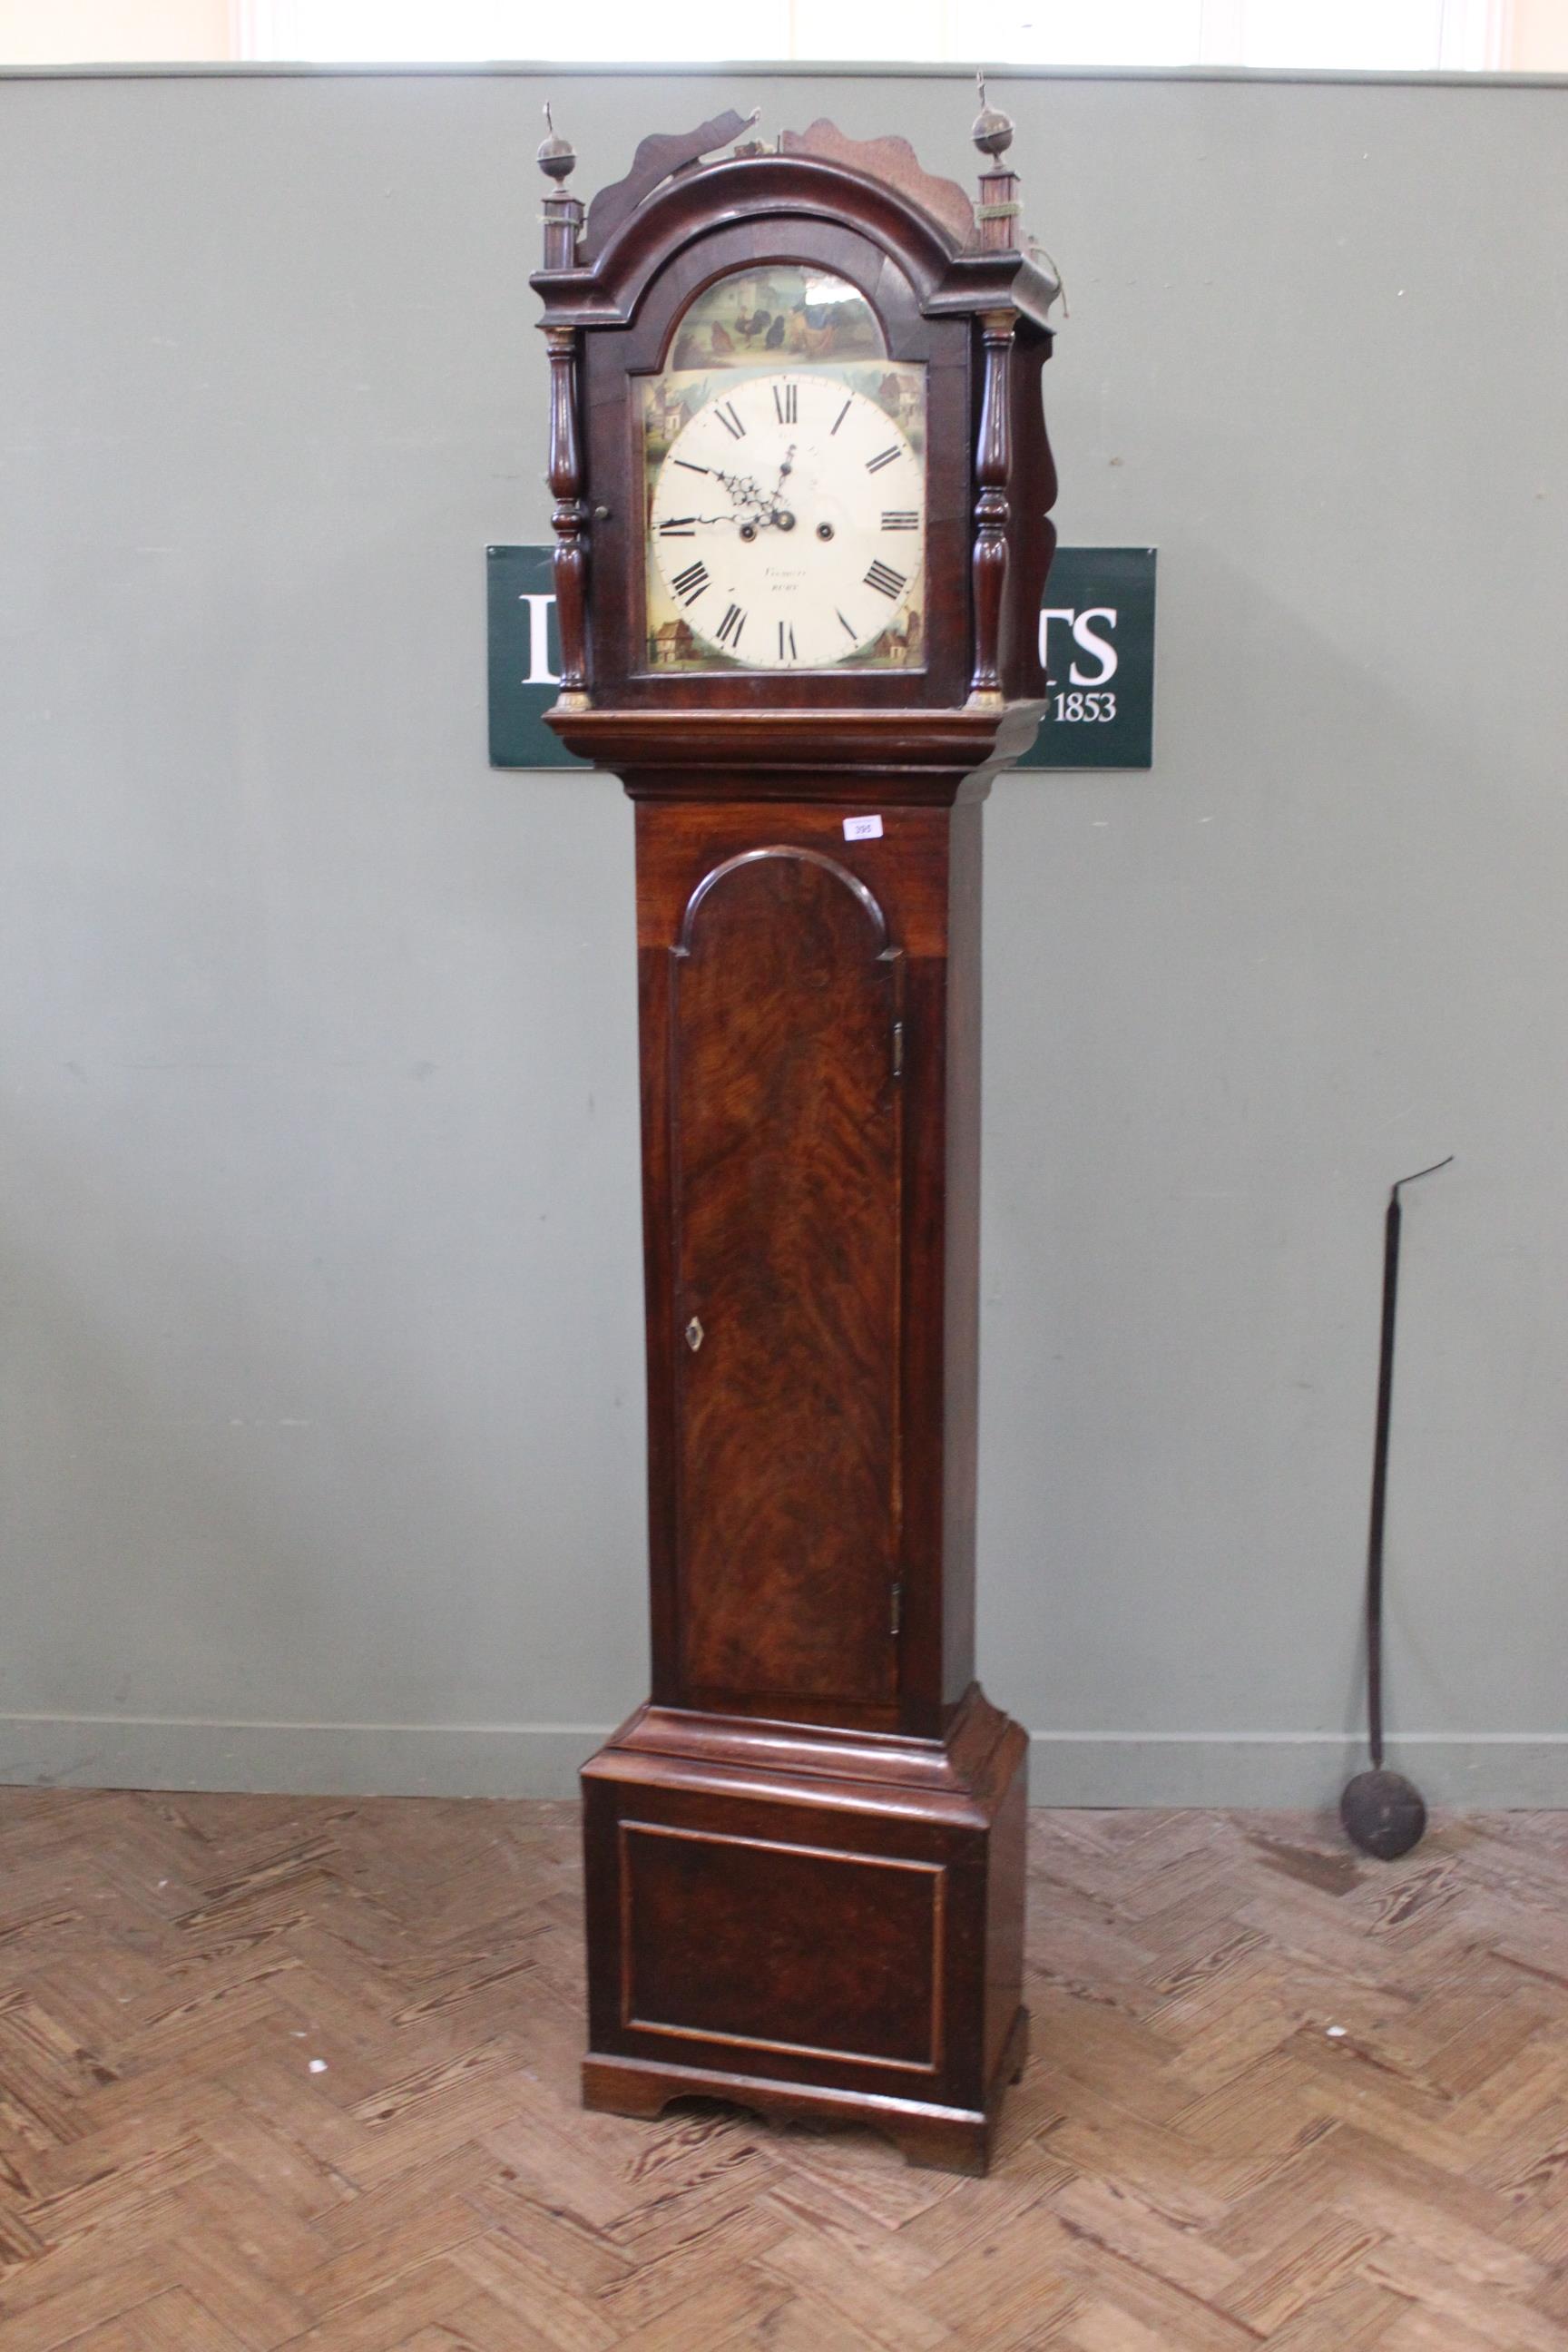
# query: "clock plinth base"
x,y
812,1923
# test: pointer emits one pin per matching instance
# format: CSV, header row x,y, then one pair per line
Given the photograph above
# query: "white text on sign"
x,y
1086,639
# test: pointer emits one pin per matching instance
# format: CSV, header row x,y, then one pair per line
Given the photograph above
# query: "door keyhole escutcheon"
x,y
694,1335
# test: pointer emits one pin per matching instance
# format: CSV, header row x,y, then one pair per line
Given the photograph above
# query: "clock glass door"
x,y
786,1127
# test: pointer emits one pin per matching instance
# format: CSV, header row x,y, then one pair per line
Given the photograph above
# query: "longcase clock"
x,y
802,487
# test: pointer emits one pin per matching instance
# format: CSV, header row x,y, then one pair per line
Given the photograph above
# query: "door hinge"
x,y
897,1614
897,1049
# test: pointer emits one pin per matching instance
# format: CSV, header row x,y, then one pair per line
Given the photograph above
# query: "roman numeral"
x,y
841,416
854,635
730,422
688,584
689,467
885,579
783,402
683,527
875,464
786,641
896,520
729,630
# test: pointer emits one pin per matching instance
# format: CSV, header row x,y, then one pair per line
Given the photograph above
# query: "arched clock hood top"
x,y
958,258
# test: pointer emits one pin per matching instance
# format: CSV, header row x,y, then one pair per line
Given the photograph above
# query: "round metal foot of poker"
x,y
1383,1814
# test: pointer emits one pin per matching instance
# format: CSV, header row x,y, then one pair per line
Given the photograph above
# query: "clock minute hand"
x,y
778,515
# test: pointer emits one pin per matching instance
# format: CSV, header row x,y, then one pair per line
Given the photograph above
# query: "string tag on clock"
x,y
862,828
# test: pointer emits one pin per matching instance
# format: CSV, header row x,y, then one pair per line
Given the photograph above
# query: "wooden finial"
x,y
997,213
557,156
562,212
993,130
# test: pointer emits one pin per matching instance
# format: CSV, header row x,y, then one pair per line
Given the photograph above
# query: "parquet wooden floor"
x,y
299,2072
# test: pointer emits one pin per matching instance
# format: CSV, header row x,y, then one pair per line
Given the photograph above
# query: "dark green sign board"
x,y
1096,631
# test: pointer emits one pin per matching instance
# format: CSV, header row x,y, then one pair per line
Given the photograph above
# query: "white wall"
x,y
321,1386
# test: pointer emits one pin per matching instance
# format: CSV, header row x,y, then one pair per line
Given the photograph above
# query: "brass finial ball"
x,y
993,131
557,156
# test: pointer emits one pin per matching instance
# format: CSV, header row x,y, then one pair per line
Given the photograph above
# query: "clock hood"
x,y
963,306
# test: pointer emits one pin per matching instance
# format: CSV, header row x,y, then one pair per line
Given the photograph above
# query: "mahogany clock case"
x,y
832,1917
805,1854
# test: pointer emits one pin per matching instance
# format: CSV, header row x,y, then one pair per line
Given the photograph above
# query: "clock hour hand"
x,y
673,523
741,489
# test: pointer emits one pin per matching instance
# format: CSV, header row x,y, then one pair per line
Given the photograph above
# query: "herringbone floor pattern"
x,y
299,2072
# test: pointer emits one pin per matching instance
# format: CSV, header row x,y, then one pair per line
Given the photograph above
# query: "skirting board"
x,y
506,1759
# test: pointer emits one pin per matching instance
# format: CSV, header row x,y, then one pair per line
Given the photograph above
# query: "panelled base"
x,y
813,1923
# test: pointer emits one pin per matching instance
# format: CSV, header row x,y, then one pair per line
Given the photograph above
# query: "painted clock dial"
x,y
783,469
787,522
